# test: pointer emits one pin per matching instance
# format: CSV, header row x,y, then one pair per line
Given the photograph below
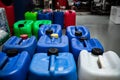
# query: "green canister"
x,y
31,16
23,27
37,24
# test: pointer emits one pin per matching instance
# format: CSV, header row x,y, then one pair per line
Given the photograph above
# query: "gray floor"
x,y
101,28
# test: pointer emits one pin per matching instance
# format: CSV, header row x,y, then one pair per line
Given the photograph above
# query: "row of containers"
x,y
74,56
31,27
64,18
18,12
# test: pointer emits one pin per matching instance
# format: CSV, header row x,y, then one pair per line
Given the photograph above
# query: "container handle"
x,y
52,52
52,64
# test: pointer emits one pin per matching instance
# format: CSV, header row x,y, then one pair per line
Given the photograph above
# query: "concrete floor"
x,y
104,30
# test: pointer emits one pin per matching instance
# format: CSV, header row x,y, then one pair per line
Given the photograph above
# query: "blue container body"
x,y
20,44
46,42
78,46
3,58
61,67
20,7
70,32
58,18
15,67
56,28
45,15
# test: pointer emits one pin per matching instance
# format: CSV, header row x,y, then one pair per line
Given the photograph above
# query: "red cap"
x,y
24,36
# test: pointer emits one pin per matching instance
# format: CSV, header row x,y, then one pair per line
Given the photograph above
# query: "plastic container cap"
x,y
49,31
12,52
24,36
78,33
53,51
54,35
97,51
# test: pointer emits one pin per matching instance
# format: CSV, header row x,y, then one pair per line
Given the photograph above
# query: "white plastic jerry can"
x,y
98,67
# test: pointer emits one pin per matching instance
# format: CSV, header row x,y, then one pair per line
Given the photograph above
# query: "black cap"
x,y
97,51
21,25
53,51
78,33
49,31
40,25
12,52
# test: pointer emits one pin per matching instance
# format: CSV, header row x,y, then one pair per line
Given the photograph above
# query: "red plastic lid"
x,y
24,36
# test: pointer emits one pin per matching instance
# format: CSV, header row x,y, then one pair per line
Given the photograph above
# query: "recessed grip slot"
x,y
51,67
101,62
21,25
20,42
2,65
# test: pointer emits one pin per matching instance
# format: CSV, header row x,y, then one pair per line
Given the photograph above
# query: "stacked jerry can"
x,y
51,36
21,44
79,45
79,37
97,65
69,18
23,27
78,32
45,15
45,42
53,66
37,24
31,15
50,29
58,18
16,56
14,67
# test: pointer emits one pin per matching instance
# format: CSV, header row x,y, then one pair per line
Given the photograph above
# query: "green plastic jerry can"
x,y
31,16
37,24
23,27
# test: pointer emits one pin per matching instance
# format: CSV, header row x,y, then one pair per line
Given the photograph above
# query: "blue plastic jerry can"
x,y
54,41
14,65
77,45
53,66
21,44
58,18
45,15
50,29
78,32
